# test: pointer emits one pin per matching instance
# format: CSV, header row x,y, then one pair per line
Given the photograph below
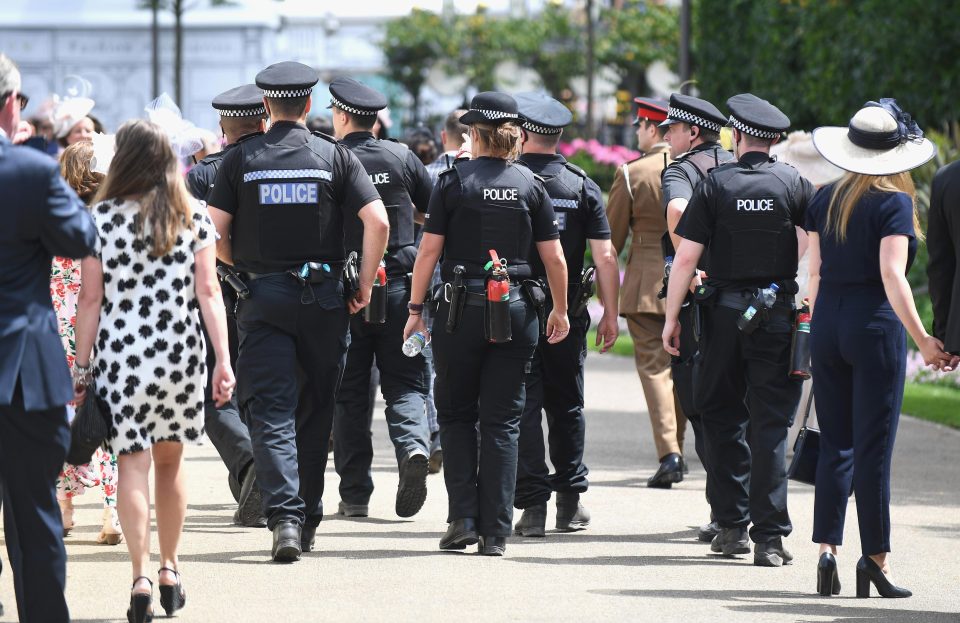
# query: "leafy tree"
x,y
553,44
412,45
635,34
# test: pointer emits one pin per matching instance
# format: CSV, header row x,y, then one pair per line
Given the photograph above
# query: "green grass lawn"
x,y
933,402
928,402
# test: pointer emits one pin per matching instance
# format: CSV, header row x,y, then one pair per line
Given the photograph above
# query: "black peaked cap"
x,y
541,114
287,79
242,101
695,111
756,117
355,97
491,107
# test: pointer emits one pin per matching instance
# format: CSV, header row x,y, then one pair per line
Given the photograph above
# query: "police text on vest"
x,y
755,205
500,194
288,193
380,178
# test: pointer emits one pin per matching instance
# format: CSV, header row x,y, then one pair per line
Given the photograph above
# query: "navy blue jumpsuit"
x,y
858,352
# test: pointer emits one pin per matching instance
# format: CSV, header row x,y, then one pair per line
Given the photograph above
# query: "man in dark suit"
x,y
42,218
943,245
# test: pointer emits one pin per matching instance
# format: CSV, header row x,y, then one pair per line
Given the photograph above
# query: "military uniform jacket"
x,y
634,207
290,193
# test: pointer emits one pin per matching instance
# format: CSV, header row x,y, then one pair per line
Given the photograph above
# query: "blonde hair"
x,y
75,168
502,140
853,186
144,167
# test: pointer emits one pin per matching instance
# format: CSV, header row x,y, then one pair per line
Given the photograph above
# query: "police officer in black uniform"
x,y
746,216
693,133
489,203
404,186
555,382
242,116
280,203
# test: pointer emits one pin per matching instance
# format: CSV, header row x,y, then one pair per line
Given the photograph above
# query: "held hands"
x,y
222,383
607,332
414,324
932,351
558,326
360,298
671,337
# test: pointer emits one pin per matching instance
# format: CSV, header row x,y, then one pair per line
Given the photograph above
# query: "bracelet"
x,y
82,375
415,307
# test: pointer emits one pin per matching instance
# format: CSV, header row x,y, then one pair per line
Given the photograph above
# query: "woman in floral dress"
x,y
64,288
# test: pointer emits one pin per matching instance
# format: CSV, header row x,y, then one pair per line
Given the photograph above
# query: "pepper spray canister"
x,y
376,311
498,326
800,347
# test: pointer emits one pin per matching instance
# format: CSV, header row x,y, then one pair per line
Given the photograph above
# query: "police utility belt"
x,y
497,322
740,300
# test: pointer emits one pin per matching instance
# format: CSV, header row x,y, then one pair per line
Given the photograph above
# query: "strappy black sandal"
x,y
141,604
172,598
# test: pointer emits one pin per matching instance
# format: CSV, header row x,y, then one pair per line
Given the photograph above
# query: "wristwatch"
x,y
415,307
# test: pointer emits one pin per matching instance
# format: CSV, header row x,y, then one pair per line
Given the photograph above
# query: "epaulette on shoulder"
x,y
575,169
325,137
451,170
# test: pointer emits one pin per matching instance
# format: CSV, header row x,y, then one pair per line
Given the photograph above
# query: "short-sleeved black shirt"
x,y
682,176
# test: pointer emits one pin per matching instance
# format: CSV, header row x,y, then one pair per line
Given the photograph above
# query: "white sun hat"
x,y
881,139
799,152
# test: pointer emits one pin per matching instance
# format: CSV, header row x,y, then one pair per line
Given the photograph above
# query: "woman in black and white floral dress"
x,y
138,307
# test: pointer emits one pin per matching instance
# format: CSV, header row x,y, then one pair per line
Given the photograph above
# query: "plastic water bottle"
x,y
414,344
765,300
667,266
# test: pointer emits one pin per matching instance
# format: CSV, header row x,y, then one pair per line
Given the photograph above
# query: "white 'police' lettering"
x,y
755,205
500,194
380,178
288,193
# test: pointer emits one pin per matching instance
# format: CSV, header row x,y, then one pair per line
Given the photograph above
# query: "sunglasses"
x,y
23,99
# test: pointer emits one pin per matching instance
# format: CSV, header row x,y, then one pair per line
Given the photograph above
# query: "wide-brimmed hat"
x,y
69,112
491,107
799,152
881,139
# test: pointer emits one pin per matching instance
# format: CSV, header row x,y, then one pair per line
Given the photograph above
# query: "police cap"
x,y
355,98
287,79
541,114
694,111
650,109
756,117
491,107
242,101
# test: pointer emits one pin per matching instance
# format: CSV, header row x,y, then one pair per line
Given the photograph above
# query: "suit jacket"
x,y
42,218
943,246
634,206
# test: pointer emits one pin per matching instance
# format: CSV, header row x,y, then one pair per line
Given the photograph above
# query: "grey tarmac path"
x,y
639,561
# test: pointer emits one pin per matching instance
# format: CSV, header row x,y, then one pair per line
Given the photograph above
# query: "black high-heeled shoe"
x,y
828,580
141,604
867,572
172,597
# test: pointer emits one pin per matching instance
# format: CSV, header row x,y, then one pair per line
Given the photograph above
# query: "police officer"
x,y
555,381
280,203
746,218
404,186
242,116
483,342
693,132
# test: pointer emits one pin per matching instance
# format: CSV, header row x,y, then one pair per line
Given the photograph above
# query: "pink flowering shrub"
x,y
599,161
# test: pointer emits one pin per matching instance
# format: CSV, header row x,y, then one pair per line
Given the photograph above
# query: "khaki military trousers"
x,y
653,367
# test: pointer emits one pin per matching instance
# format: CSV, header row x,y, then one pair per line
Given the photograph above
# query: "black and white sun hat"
x,y
491,107
881,139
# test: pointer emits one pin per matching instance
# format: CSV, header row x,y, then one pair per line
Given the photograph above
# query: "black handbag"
x,y
806,450
89,429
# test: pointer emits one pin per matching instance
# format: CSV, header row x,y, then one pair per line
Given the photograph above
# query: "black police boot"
x,y
771,554
250,505
492,546
669,472
460,534
308,538
571,515
533,521
286,541
707,531
730,542
412,490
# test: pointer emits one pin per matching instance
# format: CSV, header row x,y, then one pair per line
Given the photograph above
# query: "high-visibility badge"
x,y
279,193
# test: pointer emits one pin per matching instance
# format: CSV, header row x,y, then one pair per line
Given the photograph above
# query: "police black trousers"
x,y
479,382
744,379
403,381
290,332
858,353
33,446
554,385
682,369
224,425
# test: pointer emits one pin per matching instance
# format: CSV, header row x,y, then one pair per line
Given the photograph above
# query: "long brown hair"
x,y
145,168
503,140
75,168
853,186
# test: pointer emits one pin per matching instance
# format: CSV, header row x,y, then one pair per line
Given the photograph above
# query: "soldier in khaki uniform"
x,y
635,206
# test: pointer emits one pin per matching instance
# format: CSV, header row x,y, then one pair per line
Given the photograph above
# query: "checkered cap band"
x,y
351,109
679,114
286,174
746,129
287,92
493,115
539,129
243,112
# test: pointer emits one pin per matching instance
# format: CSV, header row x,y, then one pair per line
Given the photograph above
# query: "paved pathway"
x,y
639,560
